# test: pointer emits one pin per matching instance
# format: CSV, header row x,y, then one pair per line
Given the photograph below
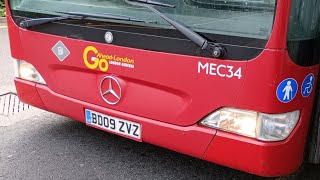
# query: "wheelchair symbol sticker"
x,y
307,85
287,90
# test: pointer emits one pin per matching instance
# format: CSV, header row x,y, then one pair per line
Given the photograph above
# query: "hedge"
x,y
2,10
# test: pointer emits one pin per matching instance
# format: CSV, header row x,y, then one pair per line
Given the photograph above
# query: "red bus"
x,y
232,82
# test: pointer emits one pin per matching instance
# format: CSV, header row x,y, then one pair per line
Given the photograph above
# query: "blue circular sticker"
x,y
287,90
307,85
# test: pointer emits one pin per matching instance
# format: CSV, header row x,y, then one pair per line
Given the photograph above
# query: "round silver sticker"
x,y
108,37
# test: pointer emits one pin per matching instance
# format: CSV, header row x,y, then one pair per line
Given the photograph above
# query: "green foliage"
x,y
2,9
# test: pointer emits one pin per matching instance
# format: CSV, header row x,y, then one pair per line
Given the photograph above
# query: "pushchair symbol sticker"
x,y
287,90
307,85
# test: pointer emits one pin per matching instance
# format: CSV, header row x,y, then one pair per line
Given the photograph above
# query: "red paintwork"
x,y
192,140
264,159
27,92
166,94
16,47
278,38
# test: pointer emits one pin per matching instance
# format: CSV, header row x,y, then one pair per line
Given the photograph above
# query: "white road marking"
x,y
2,27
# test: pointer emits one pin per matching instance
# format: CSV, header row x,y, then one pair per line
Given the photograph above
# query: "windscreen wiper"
x,y
215,49
153,3
27,23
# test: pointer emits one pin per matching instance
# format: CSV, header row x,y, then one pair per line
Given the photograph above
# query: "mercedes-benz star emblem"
x,y
110,90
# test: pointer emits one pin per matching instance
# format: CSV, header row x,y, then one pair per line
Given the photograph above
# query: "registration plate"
x,y
113,124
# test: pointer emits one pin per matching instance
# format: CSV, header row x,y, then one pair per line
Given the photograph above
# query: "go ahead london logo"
x,y
94,59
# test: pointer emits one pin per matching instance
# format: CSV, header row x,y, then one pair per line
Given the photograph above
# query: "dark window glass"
x,y
304,32
241,18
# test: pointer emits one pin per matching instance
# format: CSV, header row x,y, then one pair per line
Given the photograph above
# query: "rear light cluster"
x,y
27,71
264,127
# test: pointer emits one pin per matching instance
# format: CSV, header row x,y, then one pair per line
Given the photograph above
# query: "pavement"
x,y
36,144
3,22
7,76
6,66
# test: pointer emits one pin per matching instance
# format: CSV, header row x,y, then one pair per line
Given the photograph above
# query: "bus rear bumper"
x,y
238,152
